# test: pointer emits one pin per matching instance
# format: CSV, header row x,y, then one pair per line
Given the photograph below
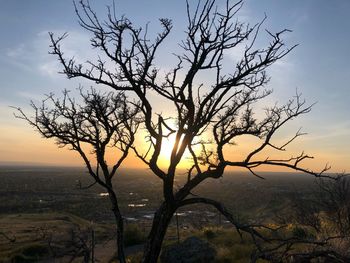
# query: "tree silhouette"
x,y
101,120
208,117
326,213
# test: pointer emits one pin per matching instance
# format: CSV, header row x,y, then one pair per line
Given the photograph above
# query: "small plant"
x,y
136,258
134,235
31,253
209,233
299,232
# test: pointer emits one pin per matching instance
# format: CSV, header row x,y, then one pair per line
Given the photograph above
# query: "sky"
x,y
318,68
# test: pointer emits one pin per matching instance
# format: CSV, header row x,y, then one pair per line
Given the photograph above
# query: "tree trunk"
x,y
155,239
120,226
120,238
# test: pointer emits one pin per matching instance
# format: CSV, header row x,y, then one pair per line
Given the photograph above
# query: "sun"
x,y
165,153
167,147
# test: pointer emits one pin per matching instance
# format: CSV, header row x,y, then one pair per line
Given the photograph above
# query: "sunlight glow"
x,y
167,147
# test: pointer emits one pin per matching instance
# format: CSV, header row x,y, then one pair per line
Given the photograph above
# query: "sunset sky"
x,y
318,68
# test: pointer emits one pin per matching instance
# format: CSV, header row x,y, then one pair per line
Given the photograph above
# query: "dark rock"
x,y
192,250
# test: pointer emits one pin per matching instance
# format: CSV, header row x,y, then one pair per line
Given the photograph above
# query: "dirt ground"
x,y
36,235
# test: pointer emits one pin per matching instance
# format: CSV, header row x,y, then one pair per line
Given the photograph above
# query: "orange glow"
x,y
167,147
23,145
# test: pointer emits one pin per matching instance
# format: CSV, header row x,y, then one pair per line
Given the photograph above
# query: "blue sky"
x,y
318,67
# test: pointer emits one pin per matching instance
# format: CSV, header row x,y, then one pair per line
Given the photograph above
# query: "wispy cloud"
x,y
331,132
33,55
16,52
30,95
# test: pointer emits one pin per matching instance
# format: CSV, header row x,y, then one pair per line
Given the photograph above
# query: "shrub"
x,y
133,235
136,258
209,233
31,253
299,232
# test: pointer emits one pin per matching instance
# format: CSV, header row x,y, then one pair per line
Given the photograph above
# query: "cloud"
x,y
50,68
331,132
236,53
34,54
29,95
15,52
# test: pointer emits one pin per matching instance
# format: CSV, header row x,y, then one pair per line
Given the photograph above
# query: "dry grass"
x,y
34,232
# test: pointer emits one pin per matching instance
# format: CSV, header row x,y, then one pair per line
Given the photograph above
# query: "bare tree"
x,y
11,239
326,213
207,118
333,198
77,244
102,120
328,199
